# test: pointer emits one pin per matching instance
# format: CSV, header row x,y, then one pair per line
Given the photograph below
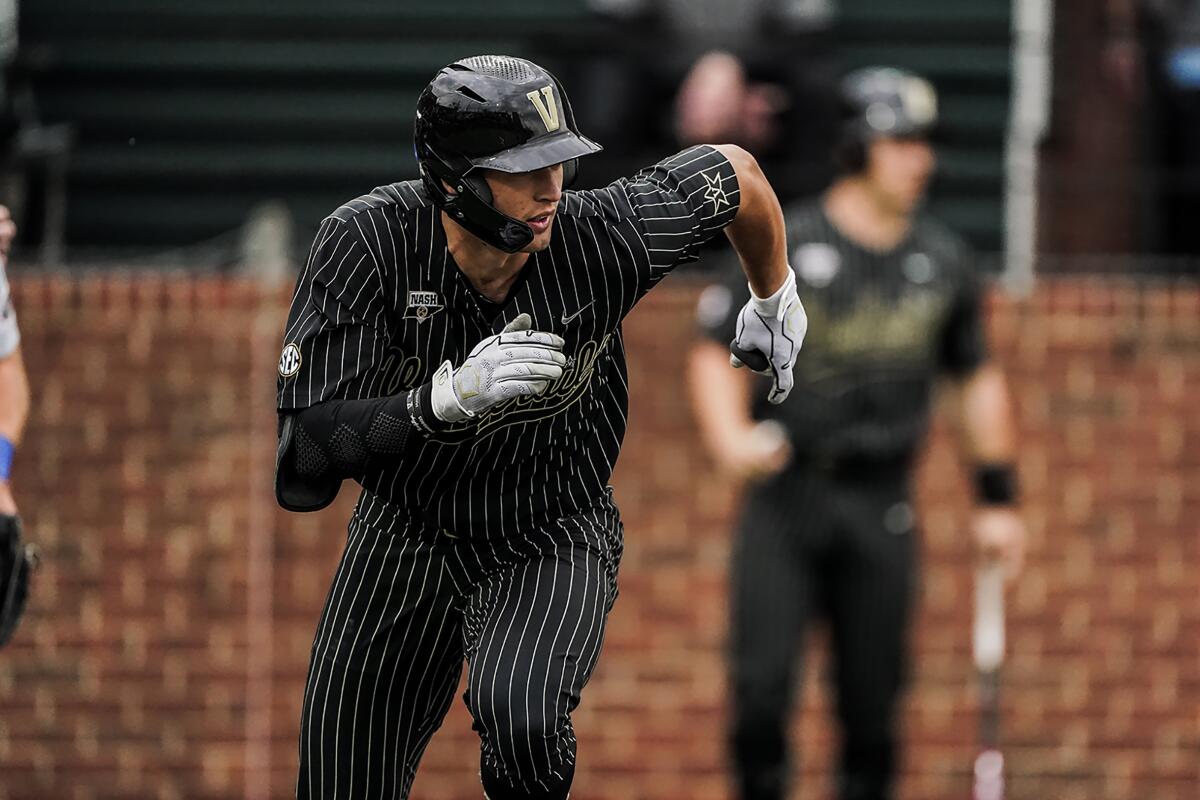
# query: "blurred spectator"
x,y
828,529
756,73
1152,54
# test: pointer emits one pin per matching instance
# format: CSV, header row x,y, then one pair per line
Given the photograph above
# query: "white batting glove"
x,y
515,362
769,334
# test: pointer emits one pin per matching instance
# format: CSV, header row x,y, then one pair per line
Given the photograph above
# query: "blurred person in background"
x,y
1152,54
15,559
754,73
828,529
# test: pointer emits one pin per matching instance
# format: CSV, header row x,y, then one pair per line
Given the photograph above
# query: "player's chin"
x,y
540,241
906,201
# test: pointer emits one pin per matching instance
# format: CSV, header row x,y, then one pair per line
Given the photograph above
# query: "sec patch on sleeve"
x,y
289,360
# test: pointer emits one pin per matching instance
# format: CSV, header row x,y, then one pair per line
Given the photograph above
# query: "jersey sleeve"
x,y
10,334
336,336
963,340
682,202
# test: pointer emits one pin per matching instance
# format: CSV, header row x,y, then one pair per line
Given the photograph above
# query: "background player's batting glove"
x,y
769,334
513,363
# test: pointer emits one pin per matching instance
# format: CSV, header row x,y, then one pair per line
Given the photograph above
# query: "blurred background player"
x,y
14,409
827,528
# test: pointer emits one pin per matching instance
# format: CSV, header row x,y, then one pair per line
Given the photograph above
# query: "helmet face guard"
x,y
492,112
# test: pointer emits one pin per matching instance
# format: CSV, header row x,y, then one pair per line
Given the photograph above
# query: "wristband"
x,y
995,484
6,456
421,413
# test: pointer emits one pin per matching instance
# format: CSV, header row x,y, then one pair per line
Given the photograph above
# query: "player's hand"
x,y
999,535
769,335
762,451
8,230
516,362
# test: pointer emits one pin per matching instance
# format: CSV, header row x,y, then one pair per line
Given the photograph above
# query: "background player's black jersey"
x,y
381,304
882,326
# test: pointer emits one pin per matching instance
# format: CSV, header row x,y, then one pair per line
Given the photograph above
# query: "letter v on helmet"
x,y
547,109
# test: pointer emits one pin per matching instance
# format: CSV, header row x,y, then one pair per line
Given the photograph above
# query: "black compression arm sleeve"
x,y
322,445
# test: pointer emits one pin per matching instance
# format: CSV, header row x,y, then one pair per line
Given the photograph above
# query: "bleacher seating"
x,y
188,114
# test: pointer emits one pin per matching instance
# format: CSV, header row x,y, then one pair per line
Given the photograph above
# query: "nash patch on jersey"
x,y
422,305
289,360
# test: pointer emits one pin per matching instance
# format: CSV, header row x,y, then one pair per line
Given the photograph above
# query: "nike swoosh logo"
x,y
566,320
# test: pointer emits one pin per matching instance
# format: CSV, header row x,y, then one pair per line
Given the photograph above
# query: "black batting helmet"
x,y
883,102
492,112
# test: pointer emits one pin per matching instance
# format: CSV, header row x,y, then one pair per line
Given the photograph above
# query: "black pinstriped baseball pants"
x,y
837,545
408,605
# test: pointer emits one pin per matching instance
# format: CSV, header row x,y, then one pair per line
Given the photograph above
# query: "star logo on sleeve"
x,y
714,191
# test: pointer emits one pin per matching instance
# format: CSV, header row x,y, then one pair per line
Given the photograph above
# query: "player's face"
x,y
531,197
900,169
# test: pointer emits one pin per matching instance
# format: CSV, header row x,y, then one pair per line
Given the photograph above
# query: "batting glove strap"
x,y
444,401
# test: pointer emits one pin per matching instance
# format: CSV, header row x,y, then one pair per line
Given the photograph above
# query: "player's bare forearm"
x,y
757,233
14,397
720,396
741,447
989,433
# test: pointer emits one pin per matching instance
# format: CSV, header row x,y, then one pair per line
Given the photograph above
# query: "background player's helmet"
x,y
883,102
492,112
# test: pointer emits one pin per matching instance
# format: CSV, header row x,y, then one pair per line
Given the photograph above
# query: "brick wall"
x,y
165,652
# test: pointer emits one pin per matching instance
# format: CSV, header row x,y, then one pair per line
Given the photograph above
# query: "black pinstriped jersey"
x,y
882,326
381,304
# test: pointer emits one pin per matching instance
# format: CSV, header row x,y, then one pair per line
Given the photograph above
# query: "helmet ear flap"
x,y
433,174
570,172
479,185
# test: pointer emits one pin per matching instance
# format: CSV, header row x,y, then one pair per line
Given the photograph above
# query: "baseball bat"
x,y
987,644
754,360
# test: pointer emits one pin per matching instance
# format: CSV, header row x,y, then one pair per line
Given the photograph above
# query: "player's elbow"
x,y
755,191
743,161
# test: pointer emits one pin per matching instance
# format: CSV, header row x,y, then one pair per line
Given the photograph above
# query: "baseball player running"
x,y
454,345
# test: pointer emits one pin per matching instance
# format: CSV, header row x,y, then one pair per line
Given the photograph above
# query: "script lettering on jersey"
x,y
547,109
399,372
874,330
569,387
